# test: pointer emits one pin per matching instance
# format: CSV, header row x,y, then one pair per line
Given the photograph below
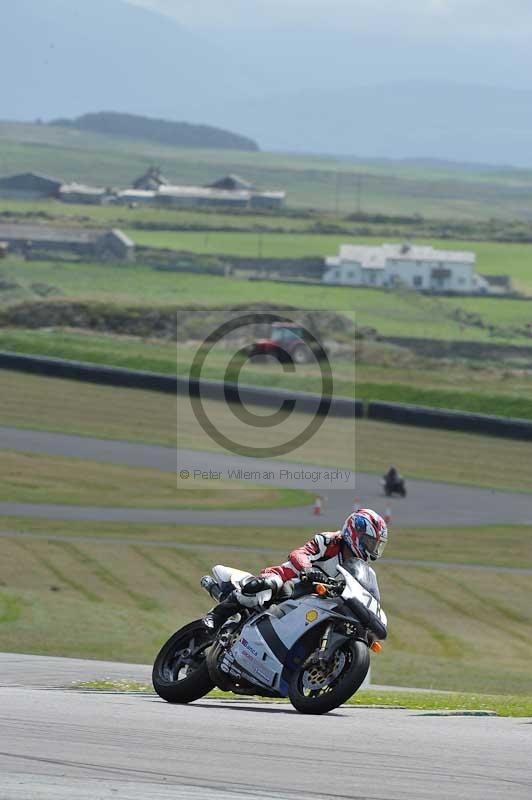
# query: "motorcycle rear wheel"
x,y
180,673
313,690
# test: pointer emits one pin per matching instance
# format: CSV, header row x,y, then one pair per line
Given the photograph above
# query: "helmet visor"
x,y
375,547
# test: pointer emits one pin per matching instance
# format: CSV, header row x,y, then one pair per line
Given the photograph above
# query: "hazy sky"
x,y
476,19
330,76
327,43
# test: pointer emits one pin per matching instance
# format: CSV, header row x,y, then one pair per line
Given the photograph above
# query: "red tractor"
x,y
288,341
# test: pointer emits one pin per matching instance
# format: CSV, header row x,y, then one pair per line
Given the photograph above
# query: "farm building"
x,y
41,239
499,284
29,186
232,183
206,196
135,196
88,195
256,199
151,180
151,187
267,199
418,267
201,196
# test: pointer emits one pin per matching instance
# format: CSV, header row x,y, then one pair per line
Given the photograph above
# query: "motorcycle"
x,y
396,487
312,647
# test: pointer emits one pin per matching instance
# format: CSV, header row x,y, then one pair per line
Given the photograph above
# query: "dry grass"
x,y
371,446
491,546
30,478
29,401
461,630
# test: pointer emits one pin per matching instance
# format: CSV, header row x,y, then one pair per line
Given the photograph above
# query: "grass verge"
x,y
32,478
502,705
415,380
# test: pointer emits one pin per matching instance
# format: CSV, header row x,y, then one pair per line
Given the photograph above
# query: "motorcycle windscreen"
x,y
364,574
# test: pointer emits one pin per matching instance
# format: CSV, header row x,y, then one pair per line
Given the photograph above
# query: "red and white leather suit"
x,y
325,551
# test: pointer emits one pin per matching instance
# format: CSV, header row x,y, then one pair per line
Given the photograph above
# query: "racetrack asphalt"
x,y
428,502
63,744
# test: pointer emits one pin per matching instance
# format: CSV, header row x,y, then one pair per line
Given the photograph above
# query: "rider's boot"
x,y
218,615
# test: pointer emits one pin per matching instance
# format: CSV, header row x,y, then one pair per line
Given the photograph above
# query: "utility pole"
x,y
337,193
359,194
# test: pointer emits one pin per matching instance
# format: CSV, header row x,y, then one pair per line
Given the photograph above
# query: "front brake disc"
x,y
318,676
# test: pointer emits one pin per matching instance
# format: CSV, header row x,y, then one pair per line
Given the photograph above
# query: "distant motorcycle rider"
x,y
392,478
393,483
363,536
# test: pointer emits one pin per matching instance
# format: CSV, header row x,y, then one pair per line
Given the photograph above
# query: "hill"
x,y
174,134
84,56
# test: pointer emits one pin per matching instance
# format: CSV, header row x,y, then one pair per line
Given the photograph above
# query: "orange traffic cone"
x,y
316,510
388,515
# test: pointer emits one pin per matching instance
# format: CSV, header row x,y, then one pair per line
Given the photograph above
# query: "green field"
x,y
288,221
325,183
160,217
492,258
71,407
85,595
391,313
382,373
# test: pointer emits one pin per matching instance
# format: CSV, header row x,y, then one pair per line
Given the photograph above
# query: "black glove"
x,y
312,575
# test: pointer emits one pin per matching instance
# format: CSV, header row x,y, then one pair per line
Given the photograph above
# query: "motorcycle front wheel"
x,y
317,688
180,673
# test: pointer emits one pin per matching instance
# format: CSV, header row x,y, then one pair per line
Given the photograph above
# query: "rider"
x,y
363,535
392,478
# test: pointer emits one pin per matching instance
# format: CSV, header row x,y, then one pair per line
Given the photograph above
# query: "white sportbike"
x,y
313,646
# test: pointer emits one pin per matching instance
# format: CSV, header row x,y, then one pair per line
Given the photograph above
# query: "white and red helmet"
x,y
365,533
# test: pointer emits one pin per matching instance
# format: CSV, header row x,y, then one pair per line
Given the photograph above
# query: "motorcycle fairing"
x,y
356,591
267,646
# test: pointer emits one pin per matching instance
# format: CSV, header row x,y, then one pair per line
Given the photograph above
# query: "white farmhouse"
x,y
418,267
